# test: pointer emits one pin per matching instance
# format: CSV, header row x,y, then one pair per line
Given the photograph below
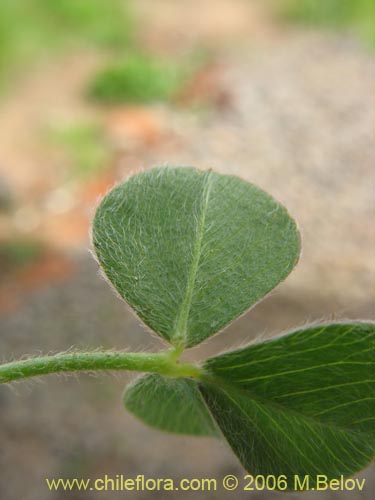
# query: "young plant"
x,y
190,251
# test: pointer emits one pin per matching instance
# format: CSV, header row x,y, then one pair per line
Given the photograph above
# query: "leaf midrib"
x,y
179,335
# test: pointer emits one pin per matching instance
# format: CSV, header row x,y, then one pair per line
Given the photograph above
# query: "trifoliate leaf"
x,y
172,405
302,404
191,250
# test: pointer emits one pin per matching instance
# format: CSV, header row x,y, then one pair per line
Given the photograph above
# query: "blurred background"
x,y
279,92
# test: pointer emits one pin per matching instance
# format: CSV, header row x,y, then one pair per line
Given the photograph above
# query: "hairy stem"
x,y
161,362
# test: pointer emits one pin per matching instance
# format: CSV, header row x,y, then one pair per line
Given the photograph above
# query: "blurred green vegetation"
x,y
356,15
85,147
137,78
19,253
32,28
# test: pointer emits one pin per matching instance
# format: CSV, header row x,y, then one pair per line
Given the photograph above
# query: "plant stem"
x,y
160,362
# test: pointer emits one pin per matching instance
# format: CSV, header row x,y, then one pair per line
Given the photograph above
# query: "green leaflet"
x,y
300,404
191,250
172,405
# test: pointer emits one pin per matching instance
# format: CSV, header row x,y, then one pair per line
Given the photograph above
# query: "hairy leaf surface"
x,y
299,404
172,405
191,250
